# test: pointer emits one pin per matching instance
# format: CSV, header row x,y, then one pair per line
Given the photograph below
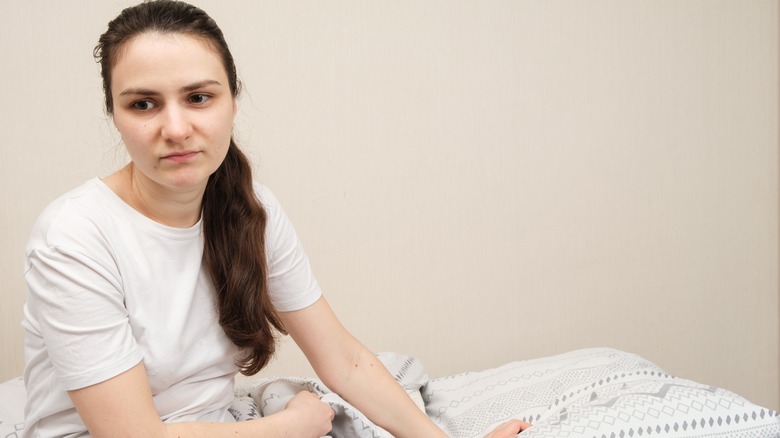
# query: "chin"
x,y
189,182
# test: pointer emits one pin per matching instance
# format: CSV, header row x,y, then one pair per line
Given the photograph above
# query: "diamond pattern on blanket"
x,y
599,393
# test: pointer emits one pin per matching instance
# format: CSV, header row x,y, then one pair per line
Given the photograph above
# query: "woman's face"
x,y
173,108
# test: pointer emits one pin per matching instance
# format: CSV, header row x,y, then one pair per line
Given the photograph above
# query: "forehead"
x,y
166,58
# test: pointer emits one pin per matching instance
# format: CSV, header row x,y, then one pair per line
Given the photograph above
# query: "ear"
x,y
235,107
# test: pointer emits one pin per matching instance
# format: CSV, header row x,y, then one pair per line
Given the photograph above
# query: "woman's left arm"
x,y
354,372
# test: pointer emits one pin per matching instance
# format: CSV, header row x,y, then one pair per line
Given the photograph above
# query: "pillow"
x,y
592,393
12,408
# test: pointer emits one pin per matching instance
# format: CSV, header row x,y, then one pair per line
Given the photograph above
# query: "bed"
x,y
601,393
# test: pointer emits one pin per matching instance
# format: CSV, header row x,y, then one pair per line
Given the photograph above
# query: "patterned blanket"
x,y
599,393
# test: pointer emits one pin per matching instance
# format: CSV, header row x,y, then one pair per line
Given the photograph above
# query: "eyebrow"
x,y
185,89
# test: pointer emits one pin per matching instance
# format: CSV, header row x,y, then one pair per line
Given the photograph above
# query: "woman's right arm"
x,y
123,407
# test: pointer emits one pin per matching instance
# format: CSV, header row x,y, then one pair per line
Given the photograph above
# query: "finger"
x,y
332,411
515,426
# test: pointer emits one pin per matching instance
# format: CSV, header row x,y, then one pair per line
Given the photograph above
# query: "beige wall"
x,y
475,182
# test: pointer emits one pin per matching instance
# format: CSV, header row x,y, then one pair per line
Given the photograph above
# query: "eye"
x,y
142,105
199,98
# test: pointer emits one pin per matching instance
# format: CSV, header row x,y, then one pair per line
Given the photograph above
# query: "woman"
x,y
149,289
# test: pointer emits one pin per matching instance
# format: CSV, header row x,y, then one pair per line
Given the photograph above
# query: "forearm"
x,y
372,389
134,414
279,425
275,426
272,426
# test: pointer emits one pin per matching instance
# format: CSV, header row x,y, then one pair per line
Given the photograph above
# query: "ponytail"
x,y
234,229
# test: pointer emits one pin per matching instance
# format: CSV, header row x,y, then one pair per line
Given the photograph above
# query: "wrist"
x,y
284,423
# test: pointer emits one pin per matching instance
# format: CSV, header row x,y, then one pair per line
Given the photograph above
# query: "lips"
x,y
182,157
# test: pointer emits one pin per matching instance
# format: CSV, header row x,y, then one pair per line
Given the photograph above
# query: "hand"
x,y
312,417
509,429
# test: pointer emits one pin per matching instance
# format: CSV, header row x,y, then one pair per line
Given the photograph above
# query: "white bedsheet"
x,y
12,396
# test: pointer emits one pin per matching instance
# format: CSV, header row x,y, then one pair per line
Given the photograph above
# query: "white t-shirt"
x,y
109,288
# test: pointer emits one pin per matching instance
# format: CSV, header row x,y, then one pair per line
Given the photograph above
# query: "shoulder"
x,y
279,233
265,196
73,218
277,220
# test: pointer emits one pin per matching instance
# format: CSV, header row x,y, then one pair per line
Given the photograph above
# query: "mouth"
x,y
181,157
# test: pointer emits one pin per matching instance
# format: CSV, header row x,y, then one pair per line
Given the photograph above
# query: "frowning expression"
x,y
173,108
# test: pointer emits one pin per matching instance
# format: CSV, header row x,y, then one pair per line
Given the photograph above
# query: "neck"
x,y
180,209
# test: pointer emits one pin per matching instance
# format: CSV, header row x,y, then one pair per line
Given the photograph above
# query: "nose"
x,y
176,126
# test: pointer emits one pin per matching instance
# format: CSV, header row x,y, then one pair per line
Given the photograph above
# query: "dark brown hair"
x,y
233,218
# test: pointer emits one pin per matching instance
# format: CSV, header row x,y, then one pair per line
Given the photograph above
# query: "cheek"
x,y
227,133
130,140
134,136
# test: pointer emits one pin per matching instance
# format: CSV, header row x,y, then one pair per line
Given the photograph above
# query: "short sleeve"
x,y
77,308
292,285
